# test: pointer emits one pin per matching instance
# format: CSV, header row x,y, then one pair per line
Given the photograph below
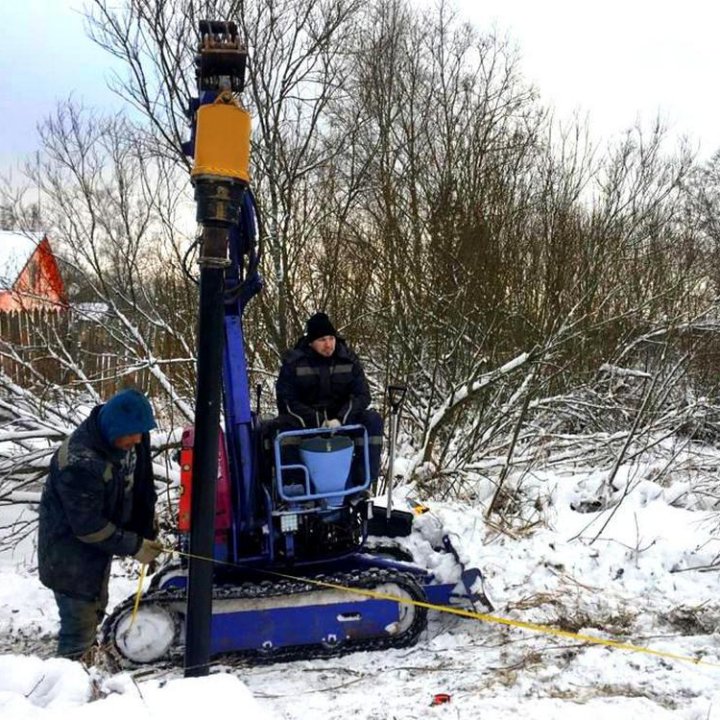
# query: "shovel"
x,y
395,523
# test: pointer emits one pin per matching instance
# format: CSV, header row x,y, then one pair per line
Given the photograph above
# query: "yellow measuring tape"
x,y
484,617
138,594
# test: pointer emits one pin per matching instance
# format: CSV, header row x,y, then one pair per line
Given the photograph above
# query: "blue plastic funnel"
x,y
328,460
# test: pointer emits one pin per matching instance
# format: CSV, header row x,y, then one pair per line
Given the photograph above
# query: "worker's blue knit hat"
x,y
126,413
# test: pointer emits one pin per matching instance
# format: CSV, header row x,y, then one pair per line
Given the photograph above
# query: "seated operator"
x,y
322,384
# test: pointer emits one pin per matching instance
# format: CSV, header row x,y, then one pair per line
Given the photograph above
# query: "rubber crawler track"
x,y
366,579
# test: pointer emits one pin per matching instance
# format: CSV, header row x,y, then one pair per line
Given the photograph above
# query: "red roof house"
x,y
30,278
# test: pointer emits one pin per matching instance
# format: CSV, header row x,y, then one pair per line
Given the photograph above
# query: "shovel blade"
x,y
399,524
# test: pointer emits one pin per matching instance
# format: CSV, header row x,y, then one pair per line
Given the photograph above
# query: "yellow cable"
x,y
534,627
138,595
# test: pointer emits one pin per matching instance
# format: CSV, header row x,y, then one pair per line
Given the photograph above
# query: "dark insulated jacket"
x,y
83,518
314,388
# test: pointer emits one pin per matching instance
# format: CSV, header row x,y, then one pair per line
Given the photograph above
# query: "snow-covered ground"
x,y
627,581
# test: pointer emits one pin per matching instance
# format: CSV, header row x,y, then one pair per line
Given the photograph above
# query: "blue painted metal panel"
x,y
239,425
439,594
236,380
309,624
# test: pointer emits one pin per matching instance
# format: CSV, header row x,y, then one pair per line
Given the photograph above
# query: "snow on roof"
x,y
15,250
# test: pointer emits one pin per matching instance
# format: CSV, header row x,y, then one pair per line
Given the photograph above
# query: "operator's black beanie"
x,y
126,413
318,326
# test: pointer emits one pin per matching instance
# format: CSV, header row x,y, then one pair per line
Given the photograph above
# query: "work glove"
x,y
333,424
148,551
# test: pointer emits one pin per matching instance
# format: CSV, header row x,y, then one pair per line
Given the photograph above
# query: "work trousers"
x,y
79,620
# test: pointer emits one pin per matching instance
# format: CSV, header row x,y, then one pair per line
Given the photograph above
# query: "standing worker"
x,y
98,502
322,384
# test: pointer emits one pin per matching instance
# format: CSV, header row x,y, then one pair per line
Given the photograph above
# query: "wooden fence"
x,y
46,347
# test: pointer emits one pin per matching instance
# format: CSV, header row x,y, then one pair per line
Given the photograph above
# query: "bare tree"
x,y
411,183
116,222
298,66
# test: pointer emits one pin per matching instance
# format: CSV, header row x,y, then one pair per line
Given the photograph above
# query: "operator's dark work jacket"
x,y
91,509
313,388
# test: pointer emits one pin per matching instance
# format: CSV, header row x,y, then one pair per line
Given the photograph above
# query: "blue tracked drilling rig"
x,y
274,527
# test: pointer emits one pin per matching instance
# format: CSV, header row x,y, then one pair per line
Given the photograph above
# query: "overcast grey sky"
x,y
617,60
44,57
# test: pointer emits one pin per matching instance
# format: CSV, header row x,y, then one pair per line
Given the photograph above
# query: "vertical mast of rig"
x,y
220,176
